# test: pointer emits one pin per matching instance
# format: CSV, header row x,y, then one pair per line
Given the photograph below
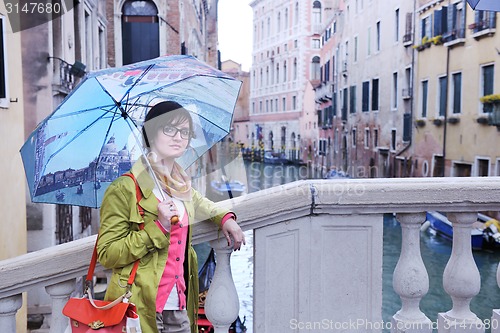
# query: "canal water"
x,y
435,253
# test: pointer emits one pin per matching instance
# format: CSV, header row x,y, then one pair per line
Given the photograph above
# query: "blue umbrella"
x,y
491,5
93,135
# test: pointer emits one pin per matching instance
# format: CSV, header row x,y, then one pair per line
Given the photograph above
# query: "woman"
x,y
165,289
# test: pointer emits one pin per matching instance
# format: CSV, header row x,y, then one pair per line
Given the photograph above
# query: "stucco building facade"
x,y
452,136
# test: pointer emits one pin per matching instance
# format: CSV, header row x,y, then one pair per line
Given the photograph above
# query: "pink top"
x,y
174,267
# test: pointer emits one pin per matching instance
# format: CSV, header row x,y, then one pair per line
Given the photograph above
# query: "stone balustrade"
x,y
307,212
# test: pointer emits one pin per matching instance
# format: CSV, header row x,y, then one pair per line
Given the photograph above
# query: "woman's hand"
x,y
232,229
166,210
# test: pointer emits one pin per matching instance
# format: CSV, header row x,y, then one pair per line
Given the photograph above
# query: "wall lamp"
x,y
77,69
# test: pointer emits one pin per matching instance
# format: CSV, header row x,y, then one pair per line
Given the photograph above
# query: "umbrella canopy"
x,y
94,135
491,5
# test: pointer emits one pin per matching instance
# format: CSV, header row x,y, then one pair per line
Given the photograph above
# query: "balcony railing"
x,y
299,237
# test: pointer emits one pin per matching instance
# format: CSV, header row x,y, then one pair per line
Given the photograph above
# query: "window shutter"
x,y
438,16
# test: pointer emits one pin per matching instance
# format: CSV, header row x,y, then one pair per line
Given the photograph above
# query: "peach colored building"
x,y
451,122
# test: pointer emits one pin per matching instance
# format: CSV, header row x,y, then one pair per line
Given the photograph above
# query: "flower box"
x,y
437,122
453,120
482,120
420,122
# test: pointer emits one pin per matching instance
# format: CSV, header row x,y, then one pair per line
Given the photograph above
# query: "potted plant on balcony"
x,y
420,122
453,120
437,40
494,101
483,120
437,122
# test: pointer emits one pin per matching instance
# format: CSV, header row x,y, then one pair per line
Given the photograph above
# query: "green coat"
x,y
121,243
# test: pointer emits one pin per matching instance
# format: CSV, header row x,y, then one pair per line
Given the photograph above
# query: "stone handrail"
x,y
57,267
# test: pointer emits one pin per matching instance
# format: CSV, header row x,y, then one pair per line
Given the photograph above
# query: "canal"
x,y
435,253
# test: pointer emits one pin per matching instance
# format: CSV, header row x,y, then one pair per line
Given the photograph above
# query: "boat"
x,y
275,158
484,232
205,275
225,188
334,174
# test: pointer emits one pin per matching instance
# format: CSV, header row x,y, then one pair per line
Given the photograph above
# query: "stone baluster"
x,y
495,318
8,310
222,304
60,294
410,279
461,279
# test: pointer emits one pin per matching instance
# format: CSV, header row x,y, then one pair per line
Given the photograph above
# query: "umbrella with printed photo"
x,y
490,5
94,135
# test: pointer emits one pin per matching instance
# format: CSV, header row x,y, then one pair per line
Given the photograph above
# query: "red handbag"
x,y
119,316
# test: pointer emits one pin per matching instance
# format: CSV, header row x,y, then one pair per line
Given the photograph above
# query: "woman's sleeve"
x,y
120,240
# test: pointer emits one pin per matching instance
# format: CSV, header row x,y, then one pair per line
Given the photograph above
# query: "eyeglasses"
x,y
172,131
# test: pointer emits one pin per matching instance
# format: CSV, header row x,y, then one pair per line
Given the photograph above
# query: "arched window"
x,y
286,19
277,73
315,68
296,14
316,13
278,22
267,76
139,19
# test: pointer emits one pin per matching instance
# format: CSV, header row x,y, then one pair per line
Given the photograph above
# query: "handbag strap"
x,y
93,261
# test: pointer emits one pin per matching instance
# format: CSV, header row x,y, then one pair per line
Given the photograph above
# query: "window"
x,y
277,73
294,102
394,91
393,139
284,104
295,68
356,49
140,18
483,20
316,44
369,41
278,22
455,22
425,92
440,21
396,25
260,106
352,100
365,104
296,14
442,96
267,105
378,36
375,92
268,27
367,138
354,138
316,13
375,137
457,93
315,68
3,67
487,85
483,167
284,71
408,28
425,27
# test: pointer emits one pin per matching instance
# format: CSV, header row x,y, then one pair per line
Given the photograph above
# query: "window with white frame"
x,y
442,96
378,36
354,138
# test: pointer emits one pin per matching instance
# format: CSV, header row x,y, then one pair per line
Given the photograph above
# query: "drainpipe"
x,y
446,103
412,78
